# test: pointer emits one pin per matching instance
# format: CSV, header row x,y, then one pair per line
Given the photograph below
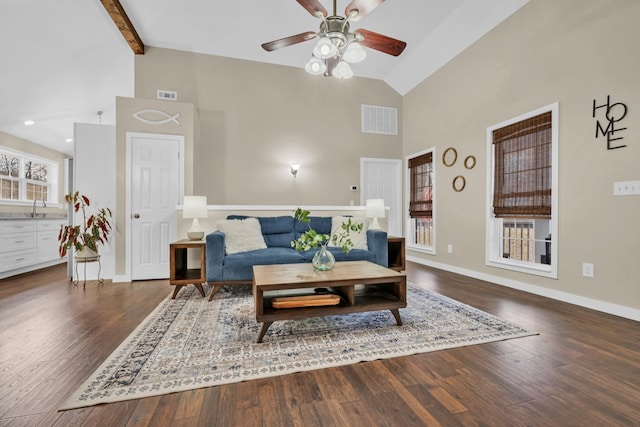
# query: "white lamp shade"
x,y
375,208
342,71
315,66
354,53
194,207
325,49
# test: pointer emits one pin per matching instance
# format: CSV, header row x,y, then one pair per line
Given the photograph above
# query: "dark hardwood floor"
x,y
582,370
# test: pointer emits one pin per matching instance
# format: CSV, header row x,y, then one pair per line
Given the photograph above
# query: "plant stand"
x,y
84,261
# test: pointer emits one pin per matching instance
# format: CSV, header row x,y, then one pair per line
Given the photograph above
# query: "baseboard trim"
x,y
33,267
603,306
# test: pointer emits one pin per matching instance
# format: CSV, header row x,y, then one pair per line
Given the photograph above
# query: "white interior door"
x,y
382,179
156,183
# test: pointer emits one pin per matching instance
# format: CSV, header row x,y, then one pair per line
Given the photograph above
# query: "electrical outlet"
x,y
587,269
353,188
626,188
450,249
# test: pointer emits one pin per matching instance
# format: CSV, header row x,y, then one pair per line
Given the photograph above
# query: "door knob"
x,y
136,216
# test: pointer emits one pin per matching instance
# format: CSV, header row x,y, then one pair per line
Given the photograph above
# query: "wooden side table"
x,y
396,249
180,275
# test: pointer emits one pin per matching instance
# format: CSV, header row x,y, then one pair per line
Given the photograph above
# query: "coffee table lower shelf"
x,y
362,287
314,312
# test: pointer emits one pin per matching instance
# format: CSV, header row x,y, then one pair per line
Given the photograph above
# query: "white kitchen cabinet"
x,y
47,239
28,244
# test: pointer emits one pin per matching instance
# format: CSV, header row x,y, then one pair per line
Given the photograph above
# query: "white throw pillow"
x,y
359,239
241,235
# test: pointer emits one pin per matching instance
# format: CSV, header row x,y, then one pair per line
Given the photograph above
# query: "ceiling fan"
x,y
338,46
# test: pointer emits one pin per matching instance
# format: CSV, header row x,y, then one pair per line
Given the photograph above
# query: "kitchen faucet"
x,y
33,212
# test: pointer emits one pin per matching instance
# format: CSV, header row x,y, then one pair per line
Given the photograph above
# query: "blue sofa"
x,y
278,232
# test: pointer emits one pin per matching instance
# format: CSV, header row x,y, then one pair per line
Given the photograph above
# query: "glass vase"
x,y
323,260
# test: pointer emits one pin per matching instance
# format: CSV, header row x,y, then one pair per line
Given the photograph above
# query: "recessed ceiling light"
x,y
68,140
29,122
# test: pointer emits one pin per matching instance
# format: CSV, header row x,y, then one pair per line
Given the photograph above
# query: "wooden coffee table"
x,y
361,285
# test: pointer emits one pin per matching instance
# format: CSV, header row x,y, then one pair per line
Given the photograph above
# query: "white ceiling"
x,y
65,60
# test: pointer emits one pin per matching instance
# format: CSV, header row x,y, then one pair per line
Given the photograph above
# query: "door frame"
x,y
398,202
128,173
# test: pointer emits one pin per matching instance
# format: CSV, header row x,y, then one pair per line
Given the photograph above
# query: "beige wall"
x,y
252,119
570,52
245,122
255,119
28,147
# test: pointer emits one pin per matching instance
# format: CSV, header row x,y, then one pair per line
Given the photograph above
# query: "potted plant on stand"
x,y
86,236
323,259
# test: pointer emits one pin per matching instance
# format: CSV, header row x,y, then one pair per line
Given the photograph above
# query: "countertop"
x,y
22,215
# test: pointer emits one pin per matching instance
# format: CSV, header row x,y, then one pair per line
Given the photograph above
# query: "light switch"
x,y
626,188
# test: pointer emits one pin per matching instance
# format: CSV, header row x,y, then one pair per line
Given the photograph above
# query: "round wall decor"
x,y
458,183
470,162
449,159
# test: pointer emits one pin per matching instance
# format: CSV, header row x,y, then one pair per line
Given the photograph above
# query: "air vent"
x,y
167,95
382,120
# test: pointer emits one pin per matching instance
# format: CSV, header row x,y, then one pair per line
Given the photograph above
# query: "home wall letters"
x,y
613,113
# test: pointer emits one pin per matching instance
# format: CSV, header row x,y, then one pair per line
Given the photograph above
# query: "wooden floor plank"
x,y
582,369
143,412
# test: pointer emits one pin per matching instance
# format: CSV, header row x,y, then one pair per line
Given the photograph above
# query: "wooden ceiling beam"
x,y
120,18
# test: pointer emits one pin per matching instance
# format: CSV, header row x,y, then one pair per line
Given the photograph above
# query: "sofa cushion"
x,y
264,256
353,255
277,231
359,239
241,235
321,224
240,266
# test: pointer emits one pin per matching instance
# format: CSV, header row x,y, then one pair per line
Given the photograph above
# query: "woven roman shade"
x,y
523,169
421,192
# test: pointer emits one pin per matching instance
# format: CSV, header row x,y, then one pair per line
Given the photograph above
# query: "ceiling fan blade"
x,y
361,8
288,41
313,6
382,43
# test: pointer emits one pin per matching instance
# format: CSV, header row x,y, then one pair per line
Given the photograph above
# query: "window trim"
x,y
409,232
492,248
52,183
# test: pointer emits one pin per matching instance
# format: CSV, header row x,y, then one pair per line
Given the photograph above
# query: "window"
x,y
522,182
9,176
25,178
420,176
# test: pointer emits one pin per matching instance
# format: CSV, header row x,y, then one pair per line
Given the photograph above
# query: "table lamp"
x,y
195,207
375,210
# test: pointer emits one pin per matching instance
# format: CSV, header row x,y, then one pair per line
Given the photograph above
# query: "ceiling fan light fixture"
x,y
342,71
354,53
325,49
337,46
315,66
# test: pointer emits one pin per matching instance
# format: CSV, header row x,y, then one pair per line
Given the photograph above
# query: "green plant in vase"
x,y
311,239
93,230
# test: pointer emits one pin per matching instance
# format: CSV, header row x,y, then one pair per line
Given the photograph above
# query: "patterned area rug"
x,y
189,343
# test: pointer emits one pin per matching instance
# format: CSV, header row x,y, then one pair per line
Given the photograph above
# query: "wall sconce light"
x,y
294,169
195,207
375,210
